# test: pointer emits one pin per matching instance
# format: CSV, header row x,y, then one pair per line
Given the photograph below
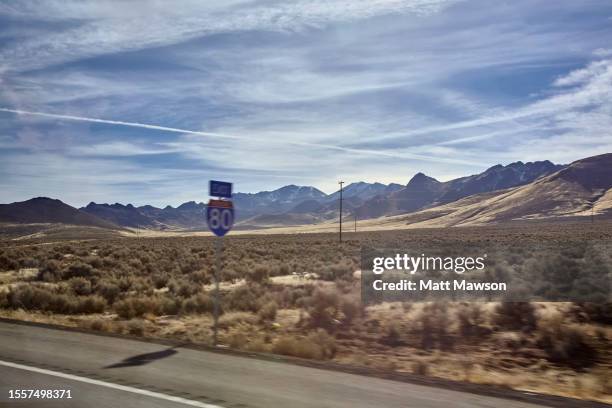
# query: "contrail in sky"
x,y
368,152
120,123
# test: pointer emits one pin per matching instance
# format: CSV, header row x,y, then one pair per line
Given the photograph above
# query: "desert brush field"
x,y
299,295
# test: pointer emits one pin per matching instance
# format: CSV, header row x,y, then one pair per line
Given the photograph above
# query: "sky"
x,y
144,102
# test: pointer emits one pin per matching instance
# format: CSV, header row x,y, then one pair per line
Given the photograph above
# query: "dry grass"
x,y
299,296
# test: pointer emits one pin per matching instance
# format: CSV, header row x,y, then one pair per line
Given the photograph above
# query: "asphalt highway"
x,y
102,371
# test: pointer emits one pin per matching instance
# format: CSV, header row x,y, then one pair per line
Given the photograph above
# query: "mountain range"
x,y
500,193
582,189
367,201
423,191
47,210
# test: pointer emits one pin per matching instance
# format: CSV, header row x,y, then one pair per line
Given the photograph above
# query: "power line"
x,y
340,230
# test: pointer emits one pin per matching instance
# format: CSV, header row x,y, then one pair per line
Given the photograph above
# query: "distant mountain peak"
x,y
516,164
148,207
421,178
48,210
360,190
592,173
44,200
190,205
496,167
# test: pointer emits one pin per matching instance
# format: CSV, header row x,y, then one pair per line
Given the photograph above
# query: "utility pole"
x,y
355,220
340,231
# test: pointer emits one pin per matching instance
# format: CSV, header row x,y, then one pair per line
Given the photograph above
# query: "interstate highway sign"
x,y
220,189
220,216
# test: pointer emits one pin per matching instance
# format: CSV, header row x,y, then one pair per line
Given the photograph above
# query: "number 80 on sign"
x,y
220,216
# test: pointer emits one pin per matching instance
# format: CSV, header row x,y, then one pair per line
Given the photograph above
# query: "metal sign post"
x,y
220,219
219,250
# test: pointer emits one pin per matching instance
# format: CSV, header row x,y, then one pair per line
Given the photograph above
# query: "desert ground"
x,y
299,295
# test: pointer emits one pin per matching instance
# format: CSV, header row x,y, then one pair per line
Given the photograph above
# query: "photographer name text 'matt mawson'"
x,y
446,285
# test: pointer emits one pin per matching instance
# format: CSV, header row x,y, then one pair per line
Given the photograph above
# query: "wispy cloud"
x,y
121,148
589,88
273,92
105,28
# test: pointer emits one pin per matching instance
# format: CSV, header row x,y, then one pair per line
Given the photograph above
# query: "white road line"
x,y
152,394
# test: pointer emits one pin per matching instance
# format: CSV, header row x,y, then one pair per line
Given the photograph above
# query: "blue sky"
x,y
143,102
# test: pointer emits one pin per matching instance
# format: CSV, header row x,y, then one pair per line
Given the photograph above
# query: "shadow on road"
x,y
142,359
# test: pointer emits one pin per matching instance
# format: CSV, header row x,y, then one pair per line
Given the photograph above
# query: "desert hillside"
x,y
581,189
47,210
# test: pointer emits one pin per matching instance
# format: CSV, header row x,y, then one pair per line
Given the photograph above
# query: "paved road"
x,y
83,394
109,372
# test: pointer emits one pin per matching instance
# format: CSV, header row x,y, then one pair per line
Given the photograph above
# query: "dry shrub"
x,y
160,280
316,346
565,345
200,278
509,340
7,263
282,270
136,327
135,307
471,320
34,298
392,335
50,271
186,289
326,342
515,316
108,291
91,304
258,275
124,309
237,340
323,308
78,269
291,346
4,303
432,325
94,261
231,319
200,303
80,286
246,298
268,312
100,325
169,306
420,367
350,308
340,271
593,312
291,297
